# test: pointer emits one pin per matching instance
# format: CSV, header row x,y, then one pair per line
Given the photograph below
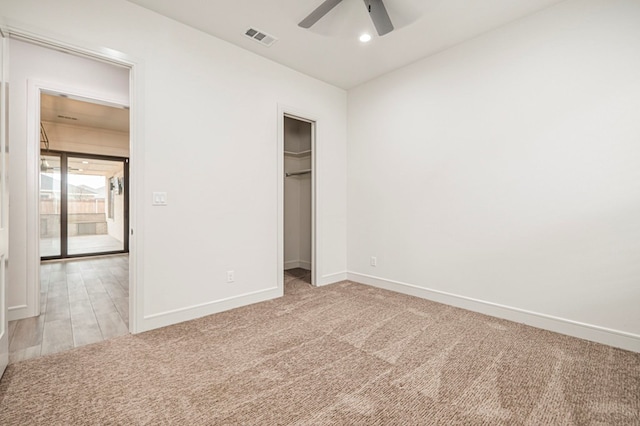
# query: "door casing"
x,y
4,220
136,144
34,91
316,262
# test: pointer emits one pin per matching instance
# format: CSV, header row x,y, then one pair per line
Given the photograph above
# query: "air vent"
x,y
260,36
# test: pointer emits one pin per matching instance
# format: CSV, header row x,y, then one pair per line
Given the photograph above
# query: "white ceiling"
x,y
330,50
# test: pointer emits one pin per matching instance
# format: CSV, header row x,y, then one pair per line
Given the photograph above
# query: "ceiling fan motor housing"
x,y
376,9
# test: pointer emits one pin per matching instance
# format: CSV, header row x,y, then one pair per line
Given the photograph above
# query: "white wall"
x,y
194,94
506,170
502,170
28,64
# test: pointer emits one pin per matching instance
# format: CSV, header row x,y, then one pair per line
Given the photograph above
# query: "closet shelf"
x,y
301,154
298,173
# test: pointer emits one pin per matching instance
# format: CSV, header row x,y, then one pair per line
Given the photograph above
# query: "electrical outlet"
x,y
374,261
230,276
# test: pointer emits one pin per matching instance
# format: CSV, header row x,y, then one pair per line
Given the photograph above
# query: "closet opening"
x,y
299,141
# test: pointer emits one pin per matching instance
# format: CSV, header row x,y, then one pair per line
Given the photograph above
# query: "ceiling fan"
x,y
376,10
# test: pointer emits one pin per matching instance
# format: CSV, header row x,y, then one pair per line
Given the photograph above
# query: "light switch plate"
x,y
159,199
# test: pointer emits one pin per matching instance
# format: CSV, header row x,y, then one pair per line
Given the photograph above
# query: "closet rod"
x,y
301,172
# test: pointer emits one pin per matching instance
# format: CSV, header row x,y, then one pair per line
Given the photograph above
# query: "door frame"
x,y
136,165
35,89
64,158
4,209
298,114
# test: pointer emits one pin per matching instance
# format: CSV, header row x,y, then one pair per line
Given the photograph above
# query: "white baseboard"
x,y
292,264
167,318
616,338
18,312
163,319
305,265
331,278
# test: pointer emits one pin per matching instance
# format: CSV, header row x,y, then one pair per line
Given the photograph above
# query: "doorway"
x,y
67,292
298,200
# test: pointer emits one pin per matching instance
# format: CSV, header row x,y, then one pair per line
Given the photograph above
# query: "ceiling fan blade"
x,y
379,16
320,11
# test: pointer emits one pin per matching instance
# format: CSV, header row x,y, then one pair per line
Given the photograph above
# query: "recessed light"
x,y
365,38
85,162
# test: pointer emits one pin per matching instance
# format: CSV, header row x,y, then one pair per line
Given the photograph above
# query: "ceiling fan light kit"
x,y
376,9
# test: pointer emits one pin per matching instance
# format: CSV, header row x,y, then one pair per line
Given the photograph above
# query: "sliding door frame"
x,y
64,199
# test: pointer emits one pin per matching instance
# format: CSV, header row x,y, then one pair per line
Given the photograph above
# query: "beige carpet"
x,y
345,354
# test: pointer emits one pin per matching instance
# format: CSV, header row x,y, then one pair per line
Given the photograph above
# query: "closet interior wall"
x,y
297,194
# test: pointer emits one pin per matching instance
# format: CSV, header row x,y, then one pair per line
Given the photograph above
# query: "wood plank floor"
x,y
79,244
82,301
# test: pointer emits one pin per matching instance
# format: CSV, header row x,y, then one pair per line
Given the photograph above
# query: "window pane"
x,y
95,200
50,188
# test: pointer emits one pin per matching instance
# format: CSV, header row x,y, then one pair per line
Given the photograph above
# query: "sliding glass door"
x,y
89,211
50,205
